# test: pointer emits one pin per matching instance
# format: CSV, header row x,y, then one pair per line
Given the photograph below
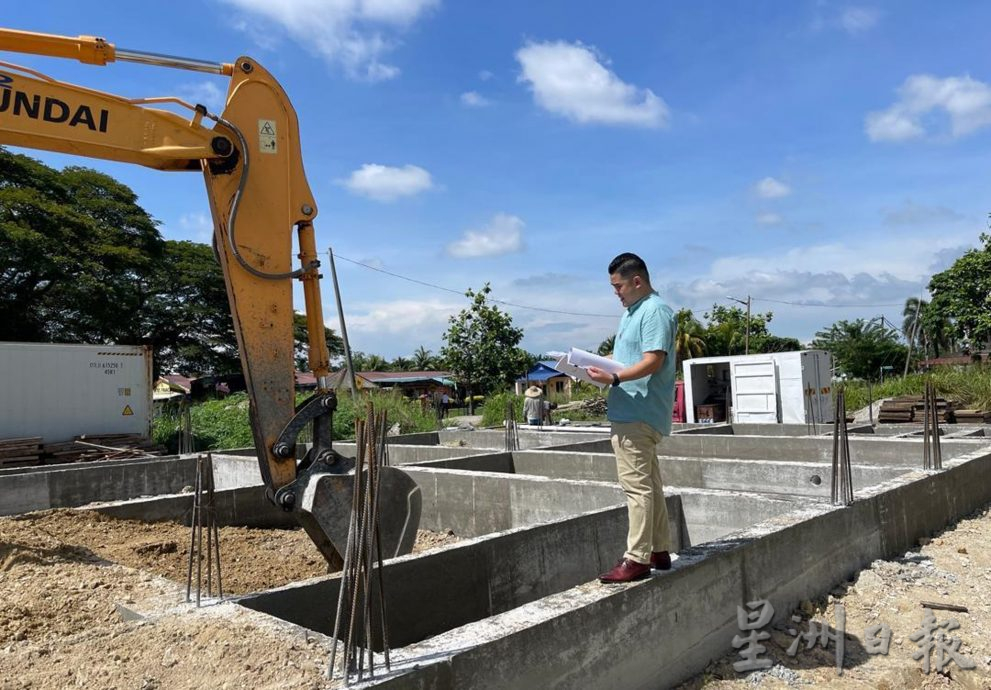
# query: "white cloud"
x,y
473,99
345,32
206,93
769,188
768,219
197,224
855,20
485,75
503,235
911,213
965,101
569,80
402,317
384,183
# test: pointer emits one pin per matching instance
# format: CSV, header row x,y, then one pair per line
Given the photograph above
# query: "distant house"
x,y
557,386
199,387
412,384
169,385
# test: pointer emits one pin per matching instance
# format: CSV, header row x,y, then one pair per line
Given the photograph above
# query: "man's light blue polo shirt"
x,y
646,326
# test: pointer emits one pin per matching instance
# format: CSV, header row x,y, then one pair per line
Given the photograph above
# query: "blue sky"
x,y
823,157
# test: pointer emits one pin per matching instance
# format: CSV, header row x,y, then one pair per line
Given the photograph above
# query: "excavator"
x,y
250,158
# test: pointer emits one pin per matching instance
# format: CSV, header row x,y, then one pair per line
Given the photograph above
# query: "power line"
x,y
828,306
575,313
462,294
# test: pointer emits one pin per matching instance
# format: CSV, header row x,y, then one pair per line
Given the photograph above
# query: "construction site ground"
x,y
69,580
953,567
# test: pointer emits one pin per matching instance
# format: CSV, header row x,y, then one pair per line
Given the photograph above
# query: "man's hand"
x,y
598,375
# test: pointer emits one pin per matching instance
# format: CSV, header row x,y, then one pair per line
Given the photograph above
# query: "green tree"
x,y
482,346
861,348
423,360
690,339
726,329
607,345
335,344
961,298
184,313
73,243
375,363
401,364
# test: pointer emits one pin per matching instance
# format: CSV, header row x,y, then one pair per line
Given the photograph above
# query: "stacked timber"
x,y
20,451
911,408
973,416
91,447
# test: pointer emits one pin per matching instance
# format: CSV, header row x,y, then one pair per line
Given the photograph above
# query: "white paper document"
x,y
577,361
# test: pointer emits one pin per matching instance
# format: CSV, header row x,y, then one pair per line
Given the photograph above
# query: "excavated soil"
x,y
70,581
953,568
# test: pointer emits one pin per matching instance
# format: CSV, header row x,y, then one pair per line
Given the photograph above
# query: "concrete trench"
x,y
516,603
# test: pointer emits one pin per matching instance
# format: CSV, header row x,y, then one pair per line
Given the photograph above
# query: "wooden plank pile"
x,y
100,447
973,416
911,408
20,451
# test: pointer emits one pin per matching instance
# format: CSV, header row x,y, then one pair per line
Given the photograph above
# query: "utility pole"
x,y
344,329
746,334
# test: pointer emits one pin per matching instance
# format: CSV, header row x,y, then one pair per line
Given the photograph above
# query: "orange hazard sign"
x,y
127,411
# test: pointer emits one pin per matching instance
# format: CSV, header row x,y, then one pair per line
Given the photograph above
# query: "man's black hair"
x,y
627,265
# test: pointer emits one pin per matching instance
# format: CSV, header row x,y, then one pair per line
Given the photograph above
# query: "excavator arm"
x,y
252,165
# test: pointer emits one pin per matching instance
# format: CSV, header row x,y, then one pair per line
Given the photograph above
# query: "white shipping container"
x,y
58,391
778,387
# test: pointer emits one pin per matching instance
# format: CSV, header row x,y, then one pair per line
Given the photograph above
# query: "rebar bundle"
x,y
185,429
512,432
204,516
362,558
932,455
810,413
842,485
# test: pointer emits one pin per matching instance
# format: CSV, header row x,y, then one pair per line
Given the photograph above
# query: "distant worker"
x,y
533,406
445,402
640,401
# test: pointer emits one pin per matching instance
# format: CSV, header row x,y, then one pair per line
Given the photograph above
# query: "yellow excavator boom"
x,y
258,193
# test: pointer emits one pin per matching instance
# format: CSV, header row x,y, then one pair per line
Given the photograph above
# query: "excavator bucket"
x,y
326,506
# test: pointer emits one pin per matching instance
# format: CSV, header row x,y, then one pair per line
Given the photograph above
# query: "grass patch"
x,y
969,387
223,424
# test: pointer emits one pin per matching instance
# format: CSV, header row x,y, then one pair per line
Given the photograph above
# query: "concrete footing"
x,y
517,602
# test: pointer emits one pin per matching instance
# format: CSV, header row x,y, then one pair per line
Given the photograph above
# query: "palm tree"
x,y
912,329
688,341
606,346
376,363
422,360
925,329
401,364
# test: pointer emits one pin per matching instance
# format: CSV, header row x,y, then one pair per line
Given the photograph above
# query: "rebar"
x,y
842,480
932,455
185,429
363,555
204,515
512,432
810,416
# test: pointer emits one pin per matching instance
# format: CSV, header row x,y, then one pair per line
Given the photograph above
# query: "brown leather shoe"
x,y
660,560
626,571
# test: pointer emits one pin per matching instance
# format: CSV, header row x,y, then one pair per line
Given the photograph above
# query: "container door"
x,y
755,391
826,386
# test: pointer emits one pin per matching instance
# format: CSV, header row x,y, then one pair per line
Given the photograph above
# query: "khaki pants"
x,y
635,445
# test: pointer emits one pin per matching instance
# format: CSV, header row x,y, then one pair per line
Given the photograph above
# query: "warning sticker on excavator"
x,y
128,412
266,136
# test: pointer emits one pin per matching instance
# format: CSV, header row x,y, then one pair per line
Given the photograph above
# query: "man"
x,y
641,398
533,406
